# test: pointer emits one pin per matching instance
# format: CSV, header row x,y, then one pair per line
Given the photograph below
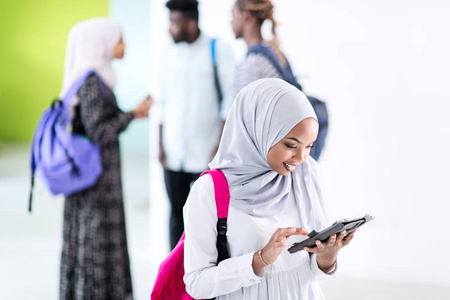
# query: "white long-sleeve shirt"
x,y
293,275
189,104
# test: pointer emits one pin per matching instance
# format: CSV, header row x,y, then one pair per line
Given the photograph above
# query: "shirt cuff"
x,y
249,278
317,271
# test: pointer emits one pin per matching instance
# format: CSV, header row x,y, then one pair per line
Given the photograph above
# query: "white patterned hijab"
x,y
262,114
90,46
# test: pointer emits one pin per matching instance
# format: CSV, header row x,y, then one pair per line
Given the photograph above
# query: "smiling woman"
x,y
274,194
293,149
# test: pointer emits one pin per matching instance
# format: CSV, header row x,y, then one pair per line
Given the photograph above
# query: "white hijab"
x,y
90,47
262,114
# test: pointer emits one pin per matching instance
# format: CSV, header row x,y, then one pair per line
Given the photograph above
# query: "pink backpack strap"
x,y
221,191
222,195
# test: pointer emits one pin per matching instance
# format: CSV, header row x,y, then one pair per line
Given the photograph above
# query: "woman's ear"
x,y
247,16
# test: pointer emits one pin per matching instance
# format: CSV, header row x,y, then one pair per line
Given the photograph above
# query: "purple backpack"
x,y
67,162
169,284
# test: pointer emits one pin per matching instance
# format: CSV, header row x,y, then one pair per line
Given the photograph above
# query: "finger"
x,y
292,231
281,244
283,232
301,231
341,235
331,241
320,246
311,250
348,239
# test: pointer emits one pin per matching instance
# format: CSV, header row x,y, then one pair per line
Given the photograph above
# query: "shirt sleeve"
x,y
315,267
100,127
226,68
204,279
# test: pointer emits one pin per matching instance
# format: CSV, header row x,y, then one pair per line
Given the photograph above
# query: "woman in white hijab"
x,y
95,262
275,199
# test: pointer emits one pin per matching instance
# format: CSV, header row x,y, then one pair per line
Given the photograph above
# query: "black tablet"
x,y
338,226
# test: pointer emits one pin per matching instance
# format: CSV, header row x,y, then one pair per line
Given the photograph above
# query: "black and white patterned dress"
x,y
95,263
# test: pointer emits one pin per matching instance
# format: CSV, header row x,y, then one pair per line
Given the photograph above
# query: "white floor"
x,y
30,243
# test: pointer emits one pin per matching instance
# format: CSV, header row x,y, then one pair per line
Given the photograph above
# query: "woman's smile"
x,y
290,167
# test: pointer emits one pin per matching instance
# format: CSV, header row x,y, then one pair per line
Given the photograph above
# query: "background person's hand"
x,y
162,157
327,252
141,110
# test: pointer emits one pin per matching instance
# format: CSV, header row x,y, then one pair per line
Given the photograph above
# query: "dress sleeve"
x,y
102,119
204,279
315,267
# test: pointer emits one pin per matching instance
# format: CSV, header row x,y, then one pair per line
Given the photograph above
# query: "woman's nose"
x,y
300,156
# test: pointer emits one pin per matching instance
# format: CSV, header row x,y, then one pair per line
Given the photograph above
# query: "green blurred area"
x,y
33,37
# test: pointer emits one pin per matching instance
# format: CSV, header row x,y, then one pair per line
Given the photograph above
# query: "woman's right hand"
x,y
141,110
275,246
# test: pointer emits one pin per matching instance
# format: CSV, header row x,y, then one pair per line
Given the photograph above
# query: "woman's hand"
x,y
276,244
327,252
141,110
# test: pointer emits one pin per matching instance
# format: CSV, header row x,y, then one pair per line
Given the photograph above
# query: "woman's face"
x,y
294,148
119,49
237,21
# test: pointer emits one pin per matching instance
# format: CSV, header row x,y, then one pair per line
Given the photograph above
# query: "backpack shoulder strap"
x,y
216,73
213,52
268,53
222,196
221,192
75,87
286,72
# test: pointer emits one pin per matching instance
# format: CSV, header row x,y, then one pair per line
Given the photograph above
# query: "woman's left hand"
x,y
141,110
326,253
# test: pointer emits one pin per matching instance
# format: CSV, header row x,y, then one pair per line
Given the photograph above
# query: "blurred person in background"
x,y
95,262
191,108
265,59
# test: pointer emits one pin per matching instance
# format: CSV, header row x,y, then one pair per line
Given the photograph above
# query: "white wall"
x,y
382,66
133,71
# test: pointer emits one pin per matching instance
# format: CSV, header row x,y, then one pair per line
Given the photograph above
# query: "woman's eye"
x,y
310,147
291,146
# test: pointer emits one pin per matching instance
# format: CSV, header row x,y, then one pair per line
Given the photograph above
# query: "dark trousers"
x,y
178,185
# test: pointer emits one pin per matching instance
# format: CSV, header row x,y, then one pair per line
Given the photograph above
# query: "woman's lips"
x,y
290,167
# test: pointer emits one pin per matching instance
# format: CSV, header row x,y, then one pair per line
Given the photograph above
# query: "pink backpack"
x,y
169,284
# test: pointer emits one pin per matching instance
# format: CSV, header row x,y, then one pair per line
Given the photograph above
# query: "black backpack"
x,y
319,106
